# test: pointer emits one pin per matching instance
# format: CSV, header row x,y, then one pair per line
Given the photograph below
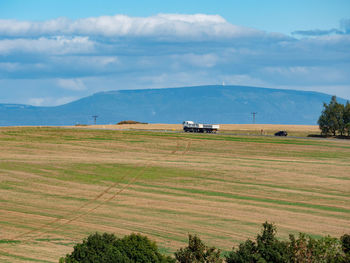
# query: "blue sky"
x,y
53,52
282,16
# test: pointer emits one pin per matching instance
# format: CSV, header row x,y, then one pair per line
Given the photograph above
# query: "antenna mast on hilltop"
x,y
254,113
95,117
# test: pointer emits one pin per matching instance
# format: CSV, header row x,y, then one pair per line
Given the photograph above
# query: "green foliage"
x,y
346,118
197,252
304,249
345,243
96,248
323,250
107,248
246,252
334,118
267,248
271,249
140,249
130,122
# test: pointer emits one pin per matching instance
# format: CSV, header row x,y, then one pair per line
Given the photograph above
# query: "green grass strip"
x,y
23,258
257,199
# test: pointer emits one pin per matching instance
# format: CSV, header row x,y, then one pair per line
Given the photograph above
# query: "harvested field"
x,y
258,129
57,185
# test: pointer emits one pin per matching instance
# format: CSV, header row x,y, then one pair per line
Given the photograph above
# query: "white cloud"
x,y
49,101
79,57
307,75
243,79
58,45
36,101
162,25
199,60
71,84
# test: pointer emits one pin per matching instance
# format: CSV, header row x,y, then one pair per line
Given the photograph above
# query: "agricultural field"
x,y
249,129
58,185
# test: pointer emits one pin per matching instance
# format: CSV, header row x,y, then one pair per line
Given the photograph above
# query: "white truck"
x,y
190,126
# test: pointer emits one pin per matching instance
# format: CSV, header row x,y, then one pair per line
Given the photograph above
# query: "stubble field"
x,y
57,185
249,129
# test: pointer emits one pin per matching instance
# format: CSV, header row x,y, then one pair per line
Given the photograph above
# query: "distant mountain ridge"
x,y
210,104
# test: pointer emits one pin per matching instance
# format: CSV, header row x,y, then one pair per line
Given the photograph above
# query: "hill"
x,y
211,104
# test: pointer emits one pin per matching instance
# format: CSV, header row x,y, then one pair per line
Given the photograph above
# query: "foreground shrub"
x,y
304,249
266,248
136,248
107,248
345,243
197,252
308,249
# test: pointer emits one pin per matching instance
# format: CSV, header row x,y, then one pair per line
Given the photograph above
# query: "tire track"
x,y
39,231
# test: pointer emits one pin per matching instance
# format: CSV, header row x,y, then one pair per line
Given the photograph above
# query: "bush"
x,y
136,248
197,252
308,249
266,248
345,243
139,248
107,248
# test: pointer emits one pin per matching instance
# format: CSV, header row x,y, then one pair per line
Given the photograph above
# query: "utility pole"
x,y
254,113
95,117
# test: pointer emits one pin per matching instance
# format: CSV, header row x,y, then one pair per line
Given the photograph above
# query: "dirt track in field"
x,y
59,185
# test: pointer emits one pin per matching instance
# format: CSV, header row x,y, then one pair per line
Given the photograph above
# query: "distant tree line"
x,y
335,118
135,248
130,122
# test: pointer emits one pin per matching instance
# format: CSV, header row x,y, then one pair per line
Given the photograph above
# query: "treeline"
x,y
135,248
335,118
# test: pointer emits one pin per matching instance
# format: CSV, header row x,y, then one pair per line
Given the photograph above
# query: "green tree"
x,y
197,252
346,118
267,248
304,249
323,121
96,248
331,119
324,250
345,243
246,252
140,249
107,248
299,248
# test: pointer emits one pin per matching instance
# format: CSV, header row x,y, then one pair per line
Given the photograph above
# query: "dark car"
x,y
281,133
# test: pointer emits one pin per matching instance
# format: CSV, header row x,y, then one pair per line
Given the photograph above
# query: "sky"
x,y
53,52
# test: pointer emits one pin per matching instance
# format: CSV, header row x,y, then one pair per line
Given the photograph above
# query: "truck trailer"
x,y
190,126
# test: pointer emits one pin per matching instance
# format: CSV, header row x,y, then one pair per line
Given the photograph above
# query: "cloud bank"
x,y
198,26
65,58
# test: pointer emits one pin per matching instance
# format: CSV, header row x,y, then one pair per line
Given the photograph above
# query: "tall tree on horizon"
x,y
331,119
346,118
